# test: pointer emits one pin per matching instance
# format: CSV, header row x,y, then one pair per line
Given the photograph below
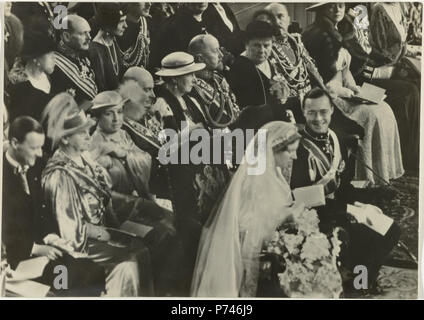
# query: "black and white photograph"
x,y
211,150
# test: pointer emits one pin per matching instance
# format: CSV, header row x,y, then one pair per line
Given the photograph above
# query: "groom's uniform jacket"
x,y
319,161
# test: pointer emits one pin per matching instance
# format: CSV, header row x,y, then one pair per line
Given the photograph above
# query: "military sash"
x,y
82,77
319,164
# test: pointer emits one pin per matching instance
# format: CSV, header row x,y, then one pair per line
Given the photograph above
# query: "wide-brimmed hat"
x,y
37,43
107,99
315,6
178,64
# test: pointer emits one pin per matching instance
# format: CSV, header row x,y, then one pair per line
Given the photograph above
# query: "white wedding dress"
x,y
252,208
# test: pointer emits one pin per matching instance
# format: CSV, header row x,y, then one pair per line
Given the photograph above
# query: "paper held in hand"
x,y
30,269
21,284
312,196
27,288
369,216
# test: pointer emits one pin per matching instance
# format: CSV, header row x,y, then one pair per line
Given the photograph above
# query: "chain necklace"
x,y
295,72
138,55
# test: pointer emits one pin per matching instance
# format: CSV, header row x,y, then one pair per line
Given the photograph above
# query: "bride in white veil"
x,y
252,208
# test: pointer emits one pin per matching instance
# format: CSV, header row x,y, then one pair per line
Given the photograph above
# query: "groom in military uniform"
x,y
321,161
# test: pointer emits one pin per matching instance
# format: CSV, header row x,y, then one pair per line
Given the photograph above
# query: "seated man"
x,y
211,89
114,150
142,124
74,70
319,161
26,230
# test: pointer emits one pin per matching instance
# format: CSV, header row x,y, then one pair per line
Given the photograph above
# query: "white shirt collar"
x,y
15,164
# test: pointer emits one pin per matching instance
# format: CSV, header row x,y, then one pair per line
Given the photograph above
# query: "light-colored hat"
x,y
63,117
315,6
178,64
107,99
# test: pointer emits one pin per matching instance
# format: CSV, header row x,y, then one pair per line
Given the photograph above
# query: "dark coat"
x,y
174,122
61,80
250,86
323,43
25,100
175,35
106,78
232,41
24,220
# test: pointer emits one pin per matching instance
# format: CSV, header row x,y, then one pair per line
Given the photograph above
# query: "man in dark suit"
x,y
177,31
26,230
320,161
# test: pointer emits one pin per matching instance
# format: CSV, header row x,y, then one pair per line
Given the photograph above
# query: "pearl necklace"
x,y
113,58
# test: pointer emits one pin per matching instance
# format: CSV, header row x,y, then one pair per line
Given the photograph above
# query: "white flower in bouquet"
x,y
316,247
310,258
292,242
307,222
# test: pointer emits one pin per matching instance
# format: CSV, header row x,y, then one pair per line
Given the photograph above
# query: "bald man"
x,y
211,88
140,121
74,72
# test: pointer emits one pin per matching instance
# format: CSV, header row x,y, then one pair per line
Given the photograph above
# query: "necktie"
x,y
21,172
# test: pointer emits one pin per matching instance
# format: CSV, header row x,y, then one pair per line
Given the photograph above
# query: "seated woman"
x,y
252,208
403,95
293,62
380,147
114,149
130,169
77,192
253,77
173,103
104,53
388,35
31,90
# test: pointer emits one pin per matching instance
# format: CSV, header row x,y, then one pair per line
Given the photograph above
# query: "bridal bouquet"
x,y
310,258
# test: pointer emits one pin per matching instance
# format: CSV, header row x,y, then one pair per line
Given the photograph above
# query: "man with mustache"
x,y
74,71
319,162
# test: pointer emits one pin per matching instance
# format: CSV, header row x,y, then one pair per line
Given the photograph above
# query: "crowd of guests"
x,y
85,107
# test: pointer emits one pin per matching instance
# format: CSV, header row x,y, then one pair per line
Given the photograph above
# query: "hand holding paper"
x,y
312,196
371,216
